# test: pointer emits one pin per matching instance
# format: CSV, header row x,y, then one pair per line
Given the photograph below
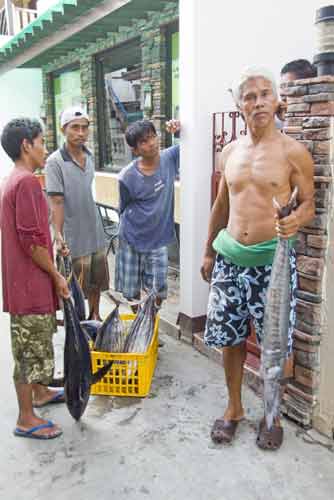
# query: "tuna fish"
x,y
142,328
111,335
91,327
276,322
78,376
65,264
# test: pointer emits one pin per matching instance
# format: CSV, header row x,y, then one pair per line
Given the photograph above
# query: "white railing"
x,y
3,22
23,17
14,19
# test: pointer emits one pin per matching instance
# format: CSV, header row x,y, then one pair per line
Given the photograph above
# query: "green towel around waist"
x,y
259,254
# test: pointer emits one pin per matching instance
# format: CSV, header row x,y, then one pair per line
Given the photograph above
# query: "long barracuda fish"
x,y
276,322
78,376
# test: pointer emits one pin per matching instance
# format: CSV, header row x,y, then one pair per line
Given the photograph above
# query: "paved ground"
x,y
158,447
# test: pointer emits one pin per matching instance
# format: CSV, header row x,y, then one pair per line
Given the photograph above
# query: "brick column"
x,y
88,89
310,120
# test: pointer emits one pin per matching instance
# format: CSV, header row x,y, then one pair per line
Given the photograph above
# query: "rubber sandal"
x,y
223,431
269,439
57,398
31,433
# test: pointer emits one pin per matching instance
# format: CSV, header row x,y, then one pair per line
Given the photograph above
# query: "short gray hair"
x,y
249,74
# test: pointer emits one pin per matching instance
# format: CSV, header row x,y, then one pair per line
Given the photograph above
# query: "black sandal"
x,y
223,431
269,439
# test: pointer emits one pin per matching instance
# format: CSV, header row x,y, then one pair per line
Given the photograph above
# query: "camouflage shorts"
x,y
32,347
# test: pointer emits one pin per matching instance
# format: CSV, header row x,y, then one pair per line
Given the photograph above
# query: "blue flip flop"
x,y
31,432
57,398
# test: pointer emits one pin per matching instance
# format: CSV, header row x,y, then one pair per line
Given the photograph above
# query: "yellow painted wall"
x,y
106,188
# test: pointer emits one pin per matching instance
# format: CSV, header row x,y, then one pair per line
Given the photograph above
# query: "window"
x,y
119,102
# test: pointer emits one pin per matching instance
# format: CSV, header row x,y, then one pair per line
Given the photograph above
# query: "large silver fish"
x,y
110,336
65,267
276,322
142,328
78,374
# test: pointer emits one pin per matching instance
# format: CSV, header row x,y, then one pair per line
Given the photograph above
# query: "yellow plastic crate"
x,y
131,373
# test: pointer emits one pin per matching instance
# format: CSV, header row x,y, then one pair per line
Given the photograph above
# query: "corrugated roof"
x,y
61,16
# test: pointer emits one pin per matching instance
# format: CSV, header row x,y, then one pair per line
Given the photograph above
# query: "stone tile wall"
x,y
310,120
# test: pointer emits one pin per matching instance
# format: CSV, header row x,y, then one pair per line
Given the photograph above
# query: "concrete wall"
x,y
21,95
217,40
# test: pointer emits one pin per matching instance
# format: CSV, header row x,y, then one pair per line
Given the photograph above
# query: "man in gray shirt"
x,y
69,176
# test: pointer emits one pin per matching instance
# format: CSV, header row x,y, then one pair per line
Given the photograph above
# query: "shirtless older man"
x,y
242,238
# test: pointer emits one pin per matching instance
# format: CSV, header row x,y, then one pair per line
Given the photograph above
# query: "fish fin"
x,y
101,372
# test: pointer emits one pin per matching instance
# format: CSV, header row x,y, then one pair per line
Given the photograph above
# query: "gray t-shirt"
x,y
147,203
83,230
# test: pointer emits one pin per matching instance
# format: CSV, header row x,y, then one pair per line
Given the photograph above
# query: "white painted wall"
x,y
4,39
21,95
217,40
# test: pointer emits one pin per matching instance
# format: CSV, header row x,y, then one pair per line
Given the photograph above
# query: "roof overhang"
x,y
69,25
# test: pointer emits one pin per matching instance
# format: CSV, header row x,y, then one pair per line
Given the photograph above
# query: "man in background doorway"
x,y
293,70
297,70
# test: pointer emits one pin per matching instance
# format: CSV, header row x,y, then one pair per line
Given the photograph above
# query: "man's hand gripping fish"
x,y
276,322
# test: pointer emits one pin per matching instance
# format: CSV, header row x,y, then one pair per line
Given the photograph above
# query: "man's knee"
x,y
235,350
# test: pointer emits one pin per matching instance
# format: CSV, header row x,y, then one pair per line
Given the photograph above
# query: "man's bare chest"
x,y
266,169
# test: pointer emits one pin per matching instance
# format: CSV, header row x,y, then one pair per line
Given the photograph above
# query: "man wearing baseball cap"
x,y
69,175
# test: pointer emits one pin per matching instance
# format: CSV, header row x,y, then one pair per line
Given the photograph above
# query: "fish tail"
x,y
284,211
101,372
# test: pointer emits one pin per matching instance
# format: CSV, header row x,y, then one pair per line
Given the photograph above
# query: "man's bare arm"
x,y
218,219
219,215
57,216
57,211
42,259
302,178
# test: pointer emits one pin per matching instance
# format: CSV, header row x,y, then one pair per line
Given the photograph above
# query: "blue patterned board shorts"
x,y
136,271
238,295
